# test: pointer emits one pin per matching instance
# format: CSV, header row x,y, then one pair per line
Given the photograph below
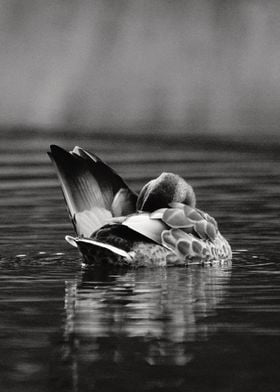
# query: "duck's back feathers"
x,y
191,220
189,233
92,190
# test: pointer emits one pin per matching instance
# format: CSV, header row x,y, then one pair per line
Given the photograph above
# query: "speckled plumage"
x,y
160,227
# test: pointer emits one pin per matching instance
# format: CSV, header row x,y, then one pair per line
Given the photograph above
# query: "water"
x,y
182,329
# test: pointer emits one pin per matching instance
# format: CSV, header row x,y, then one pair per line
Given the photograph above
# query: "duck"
x,y
159,226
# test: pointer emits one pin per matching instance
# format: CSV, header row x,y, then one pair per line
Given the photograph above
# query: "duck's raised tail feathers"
x,y
91,189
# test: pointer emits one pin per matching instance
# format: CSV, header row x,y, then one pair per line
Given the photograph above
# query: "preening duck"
x,y
159,227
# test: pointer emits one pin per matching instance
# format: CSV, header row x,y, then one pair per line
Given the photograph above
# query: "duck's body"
x,y
159,227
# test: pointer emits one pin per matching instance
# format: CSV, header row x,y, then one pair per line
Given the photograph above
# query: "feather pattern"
x,y
170,231
90,187
188,232
177,242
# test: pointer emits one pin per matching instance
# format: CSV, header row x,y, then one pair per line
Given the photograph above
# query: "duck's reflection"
x,y
144,315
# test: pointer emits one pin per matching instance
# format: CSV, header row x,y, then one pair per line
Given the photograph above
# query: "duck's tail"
x,y
93,192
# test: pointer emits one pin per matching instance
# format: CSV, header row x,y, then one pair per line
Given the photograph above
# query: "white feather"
x,y
76,241
143,224
88,221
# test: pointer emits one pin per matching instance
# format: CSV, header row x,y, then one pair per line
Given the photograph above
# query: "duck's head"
x,y
165,189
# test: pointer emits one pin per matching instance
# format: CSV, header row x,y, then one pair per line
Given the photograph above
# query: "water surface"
x,y
63,328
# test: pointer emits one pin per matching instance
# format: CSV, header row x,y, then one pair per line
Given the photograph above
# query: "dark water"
x,y
183,329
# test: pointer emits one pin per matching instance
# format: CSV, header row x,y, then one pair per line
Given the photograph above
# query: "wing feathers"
x,y
88,242
89,187
143,224
191,220
185,245
88,221
123,203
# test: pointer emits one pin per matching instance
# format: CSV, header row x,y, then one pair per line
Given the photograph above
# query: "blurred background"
x,y
181,65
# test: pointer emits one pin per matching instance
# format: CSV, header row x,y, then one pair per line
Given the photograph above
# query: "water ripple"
x,y
68,328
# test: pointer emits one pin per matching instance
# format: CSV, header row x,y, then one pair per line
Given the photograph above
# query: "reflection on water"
x,y
200,328
164,306
146,317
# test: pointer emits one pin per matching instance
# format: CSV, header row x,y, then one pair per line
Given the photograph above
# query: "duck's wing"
x,y
188,232
193,234
144,224
191,220
93,191
87,245
178,216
